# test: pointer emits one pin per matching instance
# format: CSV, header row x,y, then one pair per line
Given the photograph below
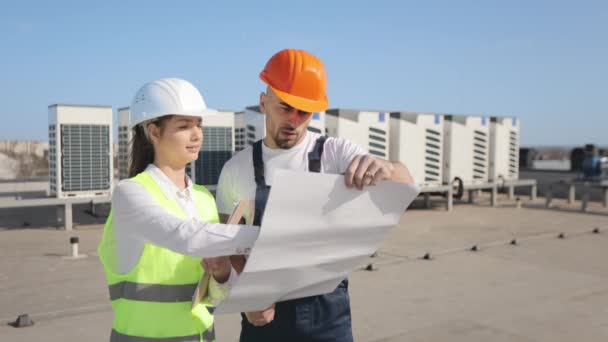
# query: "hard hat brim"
x,y
204,113
301,103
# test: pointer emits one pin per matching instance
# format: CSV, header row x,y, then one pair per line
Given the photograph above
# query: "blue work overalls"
x,y
317,318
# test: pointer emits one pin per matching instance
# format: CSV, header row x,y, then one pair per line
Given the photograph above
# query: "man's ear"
x,y
263,102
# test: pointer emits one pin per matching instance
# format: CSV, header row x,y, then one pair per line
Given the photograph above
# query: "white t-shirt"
x,y
237,181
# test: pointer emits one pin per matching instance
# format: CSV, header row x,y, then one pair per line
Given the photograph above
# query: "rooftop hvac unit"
x,y
368,129
504,148
417,142
218,148
317,123
80,150
240,136
124,142
255,124
466,149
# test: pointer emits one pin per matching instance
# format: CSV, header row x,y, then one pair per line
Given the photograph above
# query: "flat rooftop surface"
x,y
542,289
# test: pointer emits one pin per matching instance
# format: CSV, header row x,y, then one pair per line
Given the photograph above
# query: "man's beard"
x,y
286,144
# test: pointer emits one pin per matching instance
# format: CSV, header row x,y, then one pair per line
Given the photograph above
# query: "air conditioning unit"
x,y
218,148
317,123
240,136
466,149
255,124
416,140
368,129
504,148
80,150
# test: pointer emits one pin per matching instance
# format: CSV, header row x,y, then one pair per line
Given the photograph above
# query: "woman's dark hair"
x,y
142,150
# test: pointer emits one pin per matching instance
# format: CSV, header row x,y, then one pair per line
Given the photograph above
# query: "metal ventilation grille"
x,y
513,153
189,171
377,142
85,157
53,157
432,157
250,135
216,151
123,151
239,139
480,155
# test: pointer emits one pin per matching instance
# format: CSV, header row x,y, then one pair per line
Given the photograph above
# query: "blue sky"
x,y
543,61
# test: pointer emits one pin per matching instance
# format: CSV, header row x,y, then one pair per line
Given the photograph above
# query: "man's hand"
x,y
219,267
261,318
366,170
238,263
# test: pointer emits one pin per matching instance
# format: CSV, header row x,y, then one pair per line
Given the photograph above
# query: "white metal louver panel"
x,y
416,140
432,162
480,154
251,136
368,129
377,142
513,154
53,158
504,149
466,149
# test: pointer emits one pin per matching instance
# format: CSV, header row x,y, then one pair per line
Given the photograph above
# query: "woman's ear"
x,y
153,132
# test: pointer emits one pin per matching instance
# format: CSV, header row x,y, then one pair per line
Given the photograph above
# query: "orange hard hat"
x,y
298,78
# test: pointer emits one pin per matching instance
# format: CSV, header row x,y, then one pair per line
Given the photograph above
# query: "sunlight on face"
x,y
285,126
179,141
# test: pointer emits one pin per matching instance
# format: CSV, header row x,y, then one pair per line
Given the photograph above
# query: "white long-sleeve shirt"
x,y
139,219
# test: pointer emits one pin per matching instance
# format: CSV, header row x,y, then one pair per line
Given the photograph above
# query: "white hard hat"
x,y
167,96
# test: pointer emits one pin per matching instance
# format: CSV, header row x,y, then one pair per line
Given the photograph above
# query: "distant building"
x,y
23,159
26,147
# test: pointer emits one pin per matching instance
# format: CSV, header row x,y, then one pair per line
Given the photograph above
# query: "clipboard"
x,y
245,209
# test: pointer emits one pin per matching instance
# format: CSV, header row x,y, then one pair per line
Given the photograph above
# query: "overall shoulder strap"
x,y
314,156
258,163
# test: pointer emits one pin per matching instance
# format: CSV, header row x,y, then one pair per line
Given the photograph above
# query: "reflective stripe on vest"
x,y
152,292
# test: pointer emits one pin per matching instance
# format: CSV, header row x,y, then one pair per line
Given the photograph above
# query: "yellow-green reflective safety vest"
x,y
153,302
